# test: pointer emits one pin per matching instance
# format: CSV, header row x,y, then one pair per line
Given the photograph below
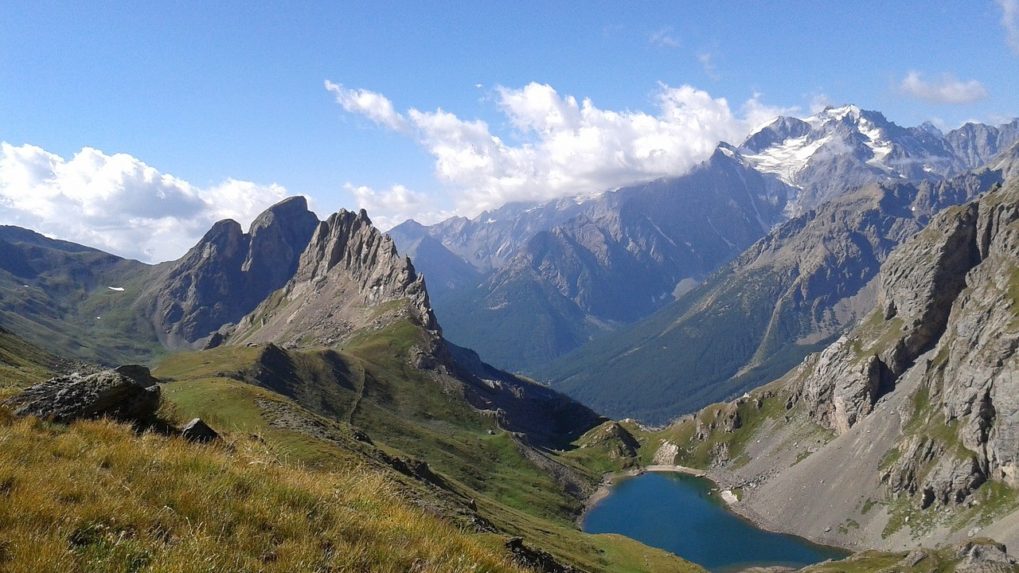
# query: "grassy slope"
x,y
406,413
97,497
22,364
68,308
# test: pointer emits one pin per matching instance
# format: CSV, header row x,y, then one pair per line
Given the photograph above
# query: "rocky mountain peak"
x,y
223,241
277,238
349,241
842,148
348,278
848,115
775,132
229,272
931,129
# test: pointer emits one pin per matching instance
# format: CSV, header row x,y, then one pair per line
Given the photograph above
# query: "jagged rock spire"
x,y
349,277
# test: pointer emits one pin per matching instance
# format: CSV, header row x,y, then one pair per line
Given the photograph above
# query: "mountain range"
x,y
849,286
527,285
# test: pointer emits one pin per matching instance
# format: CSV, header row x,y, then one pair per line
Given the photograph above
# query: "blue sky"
x,y
230,100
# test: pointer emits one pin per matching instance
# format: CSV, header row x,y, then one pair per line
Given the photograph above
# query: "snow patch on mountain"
x,y
787,159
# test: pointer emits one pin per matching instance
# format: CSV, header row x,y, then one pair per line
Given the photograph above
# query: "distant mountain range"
x,y
534,283
790,294
846,147
528,283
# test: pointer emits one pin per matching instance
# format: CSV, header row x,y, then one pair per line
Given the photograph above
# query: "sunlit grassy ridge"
x,y
96,497
369,385
293,487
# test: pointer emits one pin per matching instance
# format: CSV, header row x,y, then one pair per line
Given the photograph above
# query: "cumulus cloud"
x,y
562,146
946,89
117,203
372,105
1010,21
390,207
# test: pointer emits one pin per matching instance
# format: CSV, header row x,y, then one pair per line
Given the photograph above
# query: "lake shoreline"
x,y
723,478
610,479
732,503
652,511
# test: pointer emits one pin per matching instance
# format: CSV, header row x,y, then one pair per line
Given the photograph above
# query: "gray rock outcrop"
x,y
229,272
535,559
843,386
985,556
126,394
917,286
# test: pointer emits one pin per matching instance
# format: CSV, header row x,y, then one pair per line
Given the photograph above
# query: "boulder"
x,y
198,431
128,394
984,556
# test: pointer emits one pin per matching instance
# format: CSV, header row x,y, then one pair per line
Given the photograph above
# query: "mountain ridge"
x,y
552,257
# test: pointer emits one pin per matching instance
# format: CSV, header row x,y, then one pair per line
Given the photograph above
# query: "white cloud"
x,y
663,38
1010,21
117,203
390,207
563,146
946,89
372,105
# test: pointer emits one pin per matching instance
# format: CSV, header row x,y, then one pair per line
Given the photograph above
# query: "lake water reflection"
x,y
677,513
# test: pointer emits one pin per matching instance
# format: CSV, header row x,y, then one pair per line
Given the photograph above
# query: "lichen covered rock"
x,y
127,394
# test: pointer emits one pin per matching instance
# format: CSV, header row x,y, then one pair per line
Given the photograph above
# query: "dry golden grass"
x,y
95,496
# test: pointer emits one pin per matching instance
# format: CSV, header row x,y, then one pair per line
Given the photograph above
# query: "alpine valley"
x,y
823,319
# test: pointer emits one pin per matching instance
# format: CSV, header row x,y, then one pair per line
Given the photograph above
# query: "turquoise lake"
x,y
678,513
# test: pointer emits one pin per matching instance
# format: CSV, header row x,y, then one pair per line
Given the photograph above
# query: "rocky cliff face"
x,y
228,273
973,376
905,430
917,287
349,277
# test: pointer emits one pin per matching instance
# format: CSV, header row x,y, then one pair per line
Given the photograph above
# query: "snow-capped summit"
x,y
844,147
